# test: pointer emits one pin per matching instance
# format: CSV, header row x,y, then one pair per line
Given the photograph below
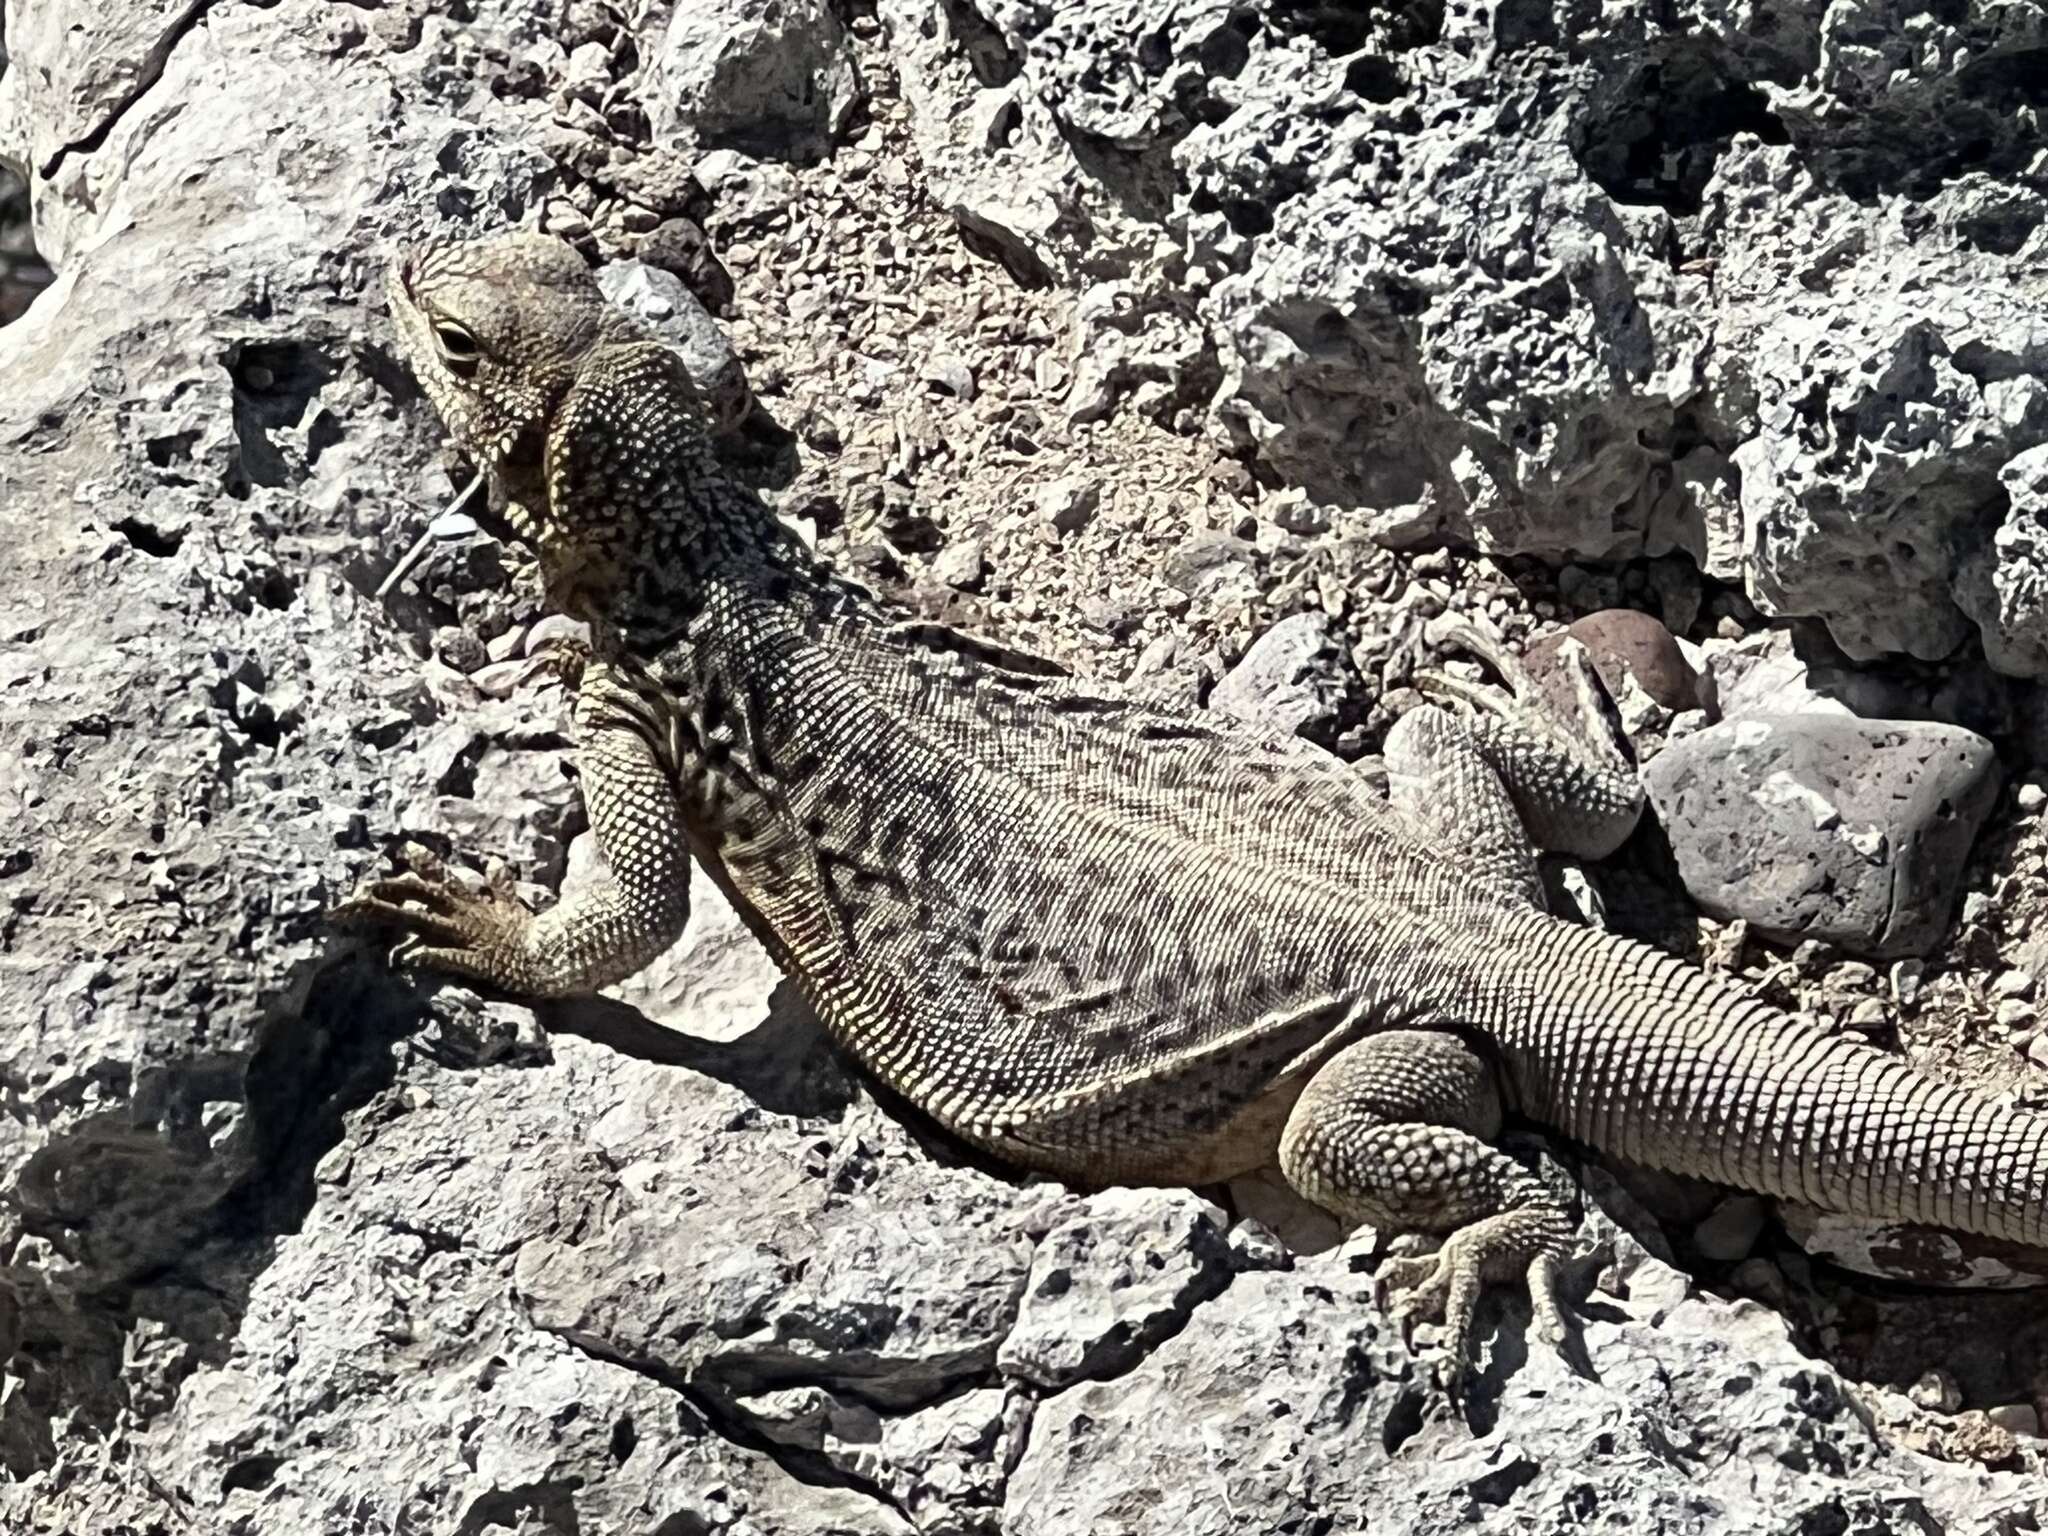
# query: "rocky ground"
x,y
1207,346
22,272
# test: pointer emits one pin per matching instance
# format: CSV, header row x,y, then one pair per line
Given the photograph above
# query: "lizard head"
x,y
493,330
589,429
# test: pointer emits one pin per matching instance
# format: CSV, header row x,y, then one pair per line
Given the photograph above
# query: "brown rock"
x,y
1624,643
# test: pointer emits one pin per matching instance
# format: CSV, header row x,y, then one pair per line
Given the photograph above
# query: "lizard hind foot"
x,y
1394,1132
1445,1286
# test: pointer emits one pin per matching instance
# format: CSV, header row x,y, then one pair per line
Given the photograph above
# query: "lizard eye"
x,y
458,348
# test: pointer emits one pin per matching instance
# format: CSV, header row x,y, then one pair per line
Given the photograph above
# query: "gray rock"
x,y
2003,585
1865,547
1292,680
1765,676
1068,504
1914,1255
1729,1233
1211,565
665,304
771,78
1124,1272
1853,832
678,245
1516,347
961,565
945,1465
1290,1397
2016,1418
749,1300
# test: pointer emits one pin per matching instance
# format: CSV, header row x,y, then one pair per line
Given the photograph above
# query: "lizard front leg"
x,y
1394,1132
605,932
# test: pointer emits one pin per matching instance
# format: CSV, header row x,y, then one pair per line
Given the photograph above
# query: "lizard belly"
x,y
1084,971
1091,1038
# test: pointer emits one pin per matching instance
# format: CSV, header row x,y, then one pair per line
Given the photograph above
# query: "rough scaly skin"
x,y
1103,938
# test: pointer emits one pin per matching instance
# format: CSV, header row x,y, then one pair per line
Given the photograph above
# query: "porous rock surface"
x,y
290,1244
1812,826
1764,282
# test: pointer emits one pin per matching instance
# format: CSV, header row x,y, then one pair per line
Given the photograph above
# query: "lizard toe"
x,y
1549,1321
443,925
431,892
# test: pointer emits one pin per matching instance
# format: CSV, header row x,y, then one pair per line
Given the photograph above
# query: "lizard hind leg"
x,y
1394,1132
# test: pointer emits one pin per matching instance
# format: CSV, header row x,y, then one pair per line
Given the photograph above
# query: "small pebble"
x,y
1936,1391
2013,983
1906,976
1069,503
950,374
460,649
961,565
1730,1230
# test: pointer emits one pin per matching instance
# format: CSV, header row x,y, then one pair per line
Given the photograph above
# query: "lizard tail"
x,y
1647,1058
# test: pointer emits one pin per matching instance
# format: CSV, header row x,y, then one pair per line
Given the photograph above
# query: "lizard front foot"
x,y
485,935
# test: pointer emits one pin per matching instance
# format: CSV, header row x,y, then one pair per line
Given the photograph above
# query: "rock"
x,y
1865,550
946,1464
1119,1275
1588,592
764,1302
1066,505
2016,1418
1766,675
1210,565
1676,583
1936,1390
678,245
23,272
1810,826
1505,350
1622,644
953,375
2013,983
1288,1393
1293,680
961,565
1731,1231
672,312
769,78
1914,1255
2003,585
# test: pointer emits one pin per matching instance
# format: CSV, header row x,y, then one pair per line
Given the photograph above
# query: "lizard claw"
x,y
1445,1286
443,924
1436,1287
